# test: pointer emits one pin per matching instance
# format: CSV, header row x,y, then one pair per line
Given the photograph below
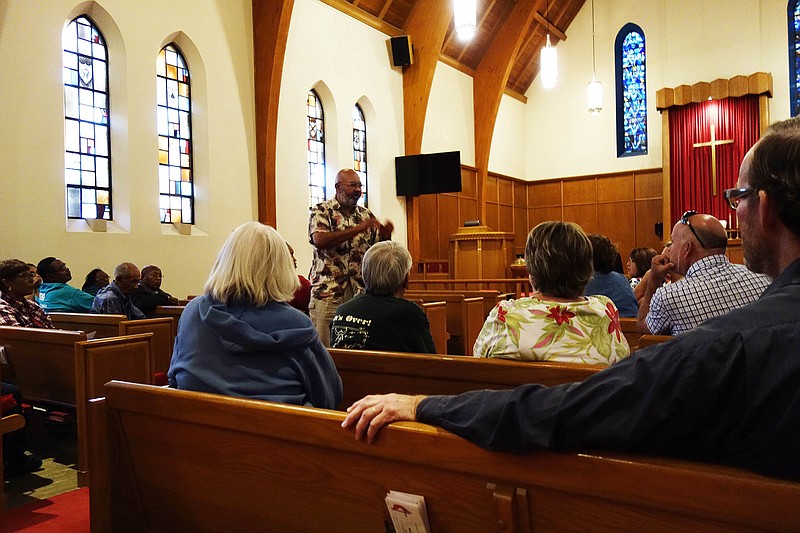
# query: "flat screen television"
x,y
428,173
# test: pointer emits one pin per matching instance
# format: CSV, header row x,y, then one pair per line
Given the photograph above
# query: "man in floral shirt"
x,y
341,231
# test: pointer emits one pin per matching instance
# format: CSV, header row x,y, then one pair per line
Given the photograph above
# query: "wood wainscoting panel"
x,y
449,222
583,215
545,194
615,188
505,218
648,184
492,216
521,229
648,213
430,238
615,220
580,191
505,191
537,215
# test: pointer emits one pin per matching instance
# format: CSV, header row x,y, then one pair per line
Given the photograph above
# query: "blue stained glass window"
x,y
360,151
315,149
794,55
174,122
87,137
631,88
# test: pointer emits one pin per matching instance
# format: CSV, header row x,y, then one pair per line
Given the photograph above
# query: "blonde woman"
x,y
241,338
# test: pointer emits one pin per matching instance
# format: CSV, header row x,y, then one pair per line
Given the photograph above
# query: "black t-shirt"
x,y
383,323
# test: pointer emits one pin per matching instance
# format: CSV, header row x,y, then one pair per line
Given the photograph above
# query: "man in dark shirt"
x,y
381,319
115,298
149,295
727,391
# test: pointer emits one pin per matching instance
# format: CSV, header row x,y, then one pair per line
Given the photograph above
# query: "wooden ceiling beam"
x,y
479,25
384,9
362,16
489,82
553,29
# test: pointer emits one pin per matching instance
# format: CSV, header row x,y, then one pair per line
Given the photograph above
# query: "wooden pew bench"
x,y
437,318
170,460
100,325
62,368
631,332
490,297
8,423
464,319
369,372
650,340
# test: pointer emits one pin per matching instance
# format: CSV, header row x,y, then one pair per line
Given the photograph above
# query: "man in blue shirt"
x,y
55,296
115,298
607,282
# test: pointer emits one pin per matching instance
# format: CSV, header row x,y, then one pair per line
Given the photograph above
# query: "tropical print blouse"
x,y
530,329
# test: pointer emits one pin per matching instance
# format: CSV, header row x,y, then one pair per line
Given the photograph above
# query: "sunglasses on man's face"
x,y
685,221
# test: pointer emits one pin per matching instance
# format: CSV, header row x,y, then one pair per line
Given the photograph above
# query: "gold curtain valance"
x,y
757,83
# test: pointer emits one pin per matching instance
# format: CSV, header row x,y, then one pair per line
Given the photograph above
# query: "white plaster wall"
x,y
216,37
449,123
352,62
686,42
507,155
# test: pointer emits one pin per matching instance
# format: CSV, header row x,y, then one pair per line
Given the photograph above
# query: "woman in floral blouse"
x,y
556,323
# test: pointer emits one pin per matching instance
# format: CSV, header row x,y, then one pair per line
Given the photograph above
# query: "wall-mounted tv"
x,y
428,173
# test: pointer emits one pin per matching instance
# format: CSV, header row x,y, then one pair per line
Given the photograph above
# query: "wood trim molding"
x,y
362,16
270,32
759,83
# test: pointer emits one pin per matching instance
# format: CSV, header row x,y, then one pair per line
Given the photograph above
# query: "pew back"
x,y
173,311
171,460
367,372
650,340
437,318
102,325
163,330
630,330
464,319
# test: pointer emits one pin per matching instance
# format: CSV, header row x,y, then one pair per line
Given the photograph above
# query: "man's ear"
x,y
767,215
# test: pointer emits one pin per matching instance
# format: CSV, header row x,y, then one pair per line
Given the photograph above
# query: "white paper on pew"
x,y
3,358
90,335
408,512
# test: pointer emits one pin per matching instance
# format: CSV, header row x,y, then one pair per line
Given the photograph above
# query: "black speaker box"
x,y
402,54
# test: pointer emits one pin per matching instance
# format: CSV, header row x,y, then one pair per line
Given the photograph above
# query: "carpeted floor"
x,y
67,512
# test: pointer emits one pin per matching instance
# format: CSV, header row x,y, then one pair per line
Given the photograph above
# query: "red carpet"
x,y
65,512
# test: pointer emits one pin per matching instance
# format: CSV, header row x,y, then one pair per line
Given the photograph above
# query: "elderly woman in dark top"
x,y
95,280
16,282
242,338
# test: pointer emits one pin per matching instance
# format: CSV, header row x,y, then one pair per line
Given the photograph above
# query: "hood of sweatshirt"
x,y
246,329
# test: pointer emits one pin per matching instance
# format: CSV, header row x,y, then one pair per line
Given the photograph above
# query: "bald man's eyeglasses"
x,y
734,196
685,221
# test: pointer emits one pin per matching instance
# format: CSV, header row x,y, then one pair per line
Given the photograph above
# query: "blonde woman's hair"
x,y
253,267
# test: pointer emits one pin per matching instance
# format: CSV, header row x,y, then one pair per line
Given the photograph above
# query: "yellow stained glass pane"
x,y
163,157
172,72
186,174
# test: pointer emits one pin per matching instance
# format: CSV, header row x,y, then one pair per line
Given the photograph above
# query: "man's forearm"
x,y
331,239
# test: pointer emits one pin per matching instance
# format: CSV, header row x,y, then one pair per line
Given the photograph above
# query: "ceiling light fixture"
x,y
464,18
594,90
548,65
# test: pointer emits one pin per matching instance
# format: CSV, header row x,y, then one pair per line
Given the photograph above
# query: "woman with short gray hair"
x,y
381,319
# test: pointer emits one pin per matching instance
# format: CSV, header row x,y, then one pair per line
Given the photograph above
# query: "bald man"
x,y
115,298
712,285
341,231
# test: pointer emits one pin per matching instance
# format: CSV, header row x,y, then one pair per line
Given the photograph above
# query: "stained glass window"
x,y
360,151
174,116
87,140
794,56
631,91
316,149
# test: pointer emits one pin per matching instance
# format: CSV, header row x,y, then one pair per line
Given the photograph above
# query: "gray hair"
x,y
385,267
124,270
253,267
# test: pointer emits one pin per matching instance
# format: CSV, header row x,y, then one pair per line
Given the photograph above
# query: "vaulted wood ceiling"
x,y
390,16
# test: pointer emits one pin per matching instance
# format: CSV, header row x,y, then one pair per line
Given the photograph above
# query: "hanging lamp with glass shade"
x,y
464,18
548,65
594,90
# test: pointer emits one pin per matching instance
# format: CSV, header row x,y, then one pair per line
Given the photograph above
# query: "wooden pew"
x,y
172,460
437,318
650,340
8,423
63,368
102,325
490,297
163,330
630,331
464,319
173,311
518,286
370,372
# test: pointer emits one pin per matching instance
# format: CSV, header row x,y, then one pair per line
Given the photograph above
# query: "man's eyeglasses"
x,y
685,222
734,196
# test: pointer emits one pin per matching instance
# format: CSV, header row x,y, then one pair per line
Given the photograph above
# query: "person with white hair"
x,y
381,319
242,338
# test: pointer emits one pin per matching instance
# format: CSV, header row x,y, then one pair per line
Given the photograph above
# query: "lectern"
x,y
480,253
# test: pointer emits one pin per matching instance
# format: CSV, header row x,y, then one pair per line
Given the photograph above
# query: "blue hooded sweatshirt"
x,y
269,353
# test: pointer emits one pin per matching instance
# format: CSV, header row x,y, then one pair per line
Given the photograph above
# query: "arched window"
x,y
174,116
316,149
360,151
794,56
629,52
87,139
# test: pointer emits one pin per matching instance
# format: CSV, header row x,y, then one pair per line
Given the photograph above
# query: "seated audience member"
x,y
55,296
712,285
302,296
639,263
241,338
95,280
672,277
37,282
149,295
557,323
15,461
608,282
381,319
16,282
725,392
115,298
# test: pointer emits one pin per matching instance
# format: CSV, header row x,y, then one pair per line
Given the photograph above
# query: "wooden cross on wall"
x,y
713,143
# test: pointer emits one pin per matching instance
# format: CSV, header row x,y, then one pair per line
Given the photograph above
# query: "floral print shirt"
x,y
538,330
333,270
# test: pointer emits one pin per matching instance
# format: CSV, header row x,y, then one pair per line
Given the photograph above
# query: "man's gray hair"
x,y
123,270
385,267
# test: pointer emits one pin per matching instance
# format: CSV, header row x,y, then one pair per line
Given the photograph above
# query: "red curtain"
x,y
690,166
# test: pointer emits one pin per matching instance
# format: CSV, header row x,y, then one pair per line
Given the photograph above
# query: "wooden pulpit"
x,y
480,253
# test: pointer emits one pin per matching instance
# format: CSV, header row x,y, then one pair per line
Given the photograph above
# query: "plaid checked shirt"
x,y
22,313
712,286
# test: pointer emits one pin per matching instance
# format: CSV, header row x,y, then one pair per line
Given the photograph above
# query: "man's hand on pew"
x,y
371,413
